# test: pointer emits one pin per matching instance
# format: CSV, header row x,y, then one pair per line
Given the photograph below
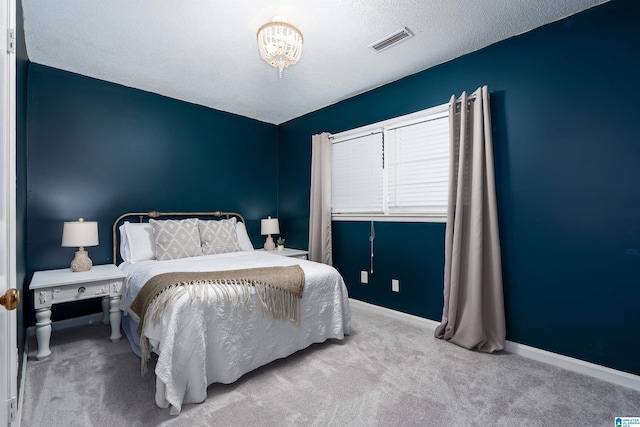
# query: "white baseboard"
x,y
614,376
18,420
70,323
398,315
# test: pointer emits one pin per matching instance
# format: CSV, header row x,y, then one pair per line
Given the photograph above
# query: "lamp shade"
x,y
269,226
80,233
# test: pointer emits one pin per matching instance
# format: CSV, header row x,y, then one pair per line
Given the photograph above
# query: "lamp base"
x,y
268,244
81,262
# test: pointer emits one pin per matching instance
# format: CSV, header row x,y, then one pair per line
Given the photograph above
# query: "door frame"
x,y
8,321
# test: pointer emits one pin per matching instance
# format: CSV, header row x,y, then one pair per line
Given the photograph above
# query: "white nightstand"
x,y
294,253
56,286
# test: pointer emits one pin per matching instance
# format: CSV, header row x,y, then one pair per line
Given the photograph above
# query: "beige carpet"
x,y
387,373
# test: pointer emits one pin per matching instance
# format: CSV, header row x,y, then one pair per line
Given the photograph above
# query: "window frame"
x,y
436,112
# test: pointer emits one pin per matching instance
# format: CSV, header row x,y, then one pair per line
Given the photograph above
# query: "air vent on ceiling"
x,y
391,40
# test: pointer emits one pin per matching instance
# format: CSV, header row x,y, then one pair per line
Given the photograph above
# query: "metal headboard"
x,y
155,214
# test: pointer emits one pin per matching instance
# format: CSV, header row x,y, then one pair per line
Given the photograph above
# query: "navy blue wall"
x,y
566,151
565,127
97,150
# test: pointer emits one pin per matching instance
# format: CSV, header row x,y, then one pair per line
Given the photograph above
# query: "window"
x,y
357,174
396,169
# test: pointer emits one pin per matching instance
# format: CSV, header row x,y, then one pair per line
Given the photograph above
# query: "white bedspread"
x,y
202,343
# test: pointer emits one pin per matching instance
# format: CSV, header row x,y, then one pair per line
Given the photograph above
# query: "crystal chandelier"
x,y
280,43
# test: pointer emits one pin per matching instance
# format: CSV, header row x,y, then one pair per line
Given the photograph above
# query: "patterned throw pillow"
x,y
176,238
218,237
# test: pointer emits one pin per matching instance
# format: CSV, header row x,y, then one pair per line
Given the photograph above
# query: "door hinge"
x,y
11,406
11,40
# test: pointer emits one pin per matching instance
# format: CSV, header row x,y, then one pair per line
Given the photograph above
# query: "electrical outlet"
x,y
395,285
364,277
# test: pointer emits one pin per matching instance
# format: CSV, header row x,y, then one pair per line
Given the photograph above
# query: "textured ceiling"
x,y
205,52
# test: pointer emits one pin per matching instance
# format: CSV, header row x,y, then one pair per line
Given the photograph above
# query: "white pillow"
x,y
124,248
140,242
243,237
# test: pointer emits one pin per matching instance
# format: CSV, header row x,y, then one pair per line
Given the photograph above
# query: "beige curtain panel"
x,y
320,200
473,313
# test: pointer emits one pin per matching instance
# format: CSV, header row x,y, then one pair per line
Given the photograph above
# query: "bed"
x,y
212,330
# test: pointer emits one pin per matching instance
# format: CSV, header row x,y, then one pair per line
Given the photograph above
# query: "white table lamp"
x,y
268,227
79,234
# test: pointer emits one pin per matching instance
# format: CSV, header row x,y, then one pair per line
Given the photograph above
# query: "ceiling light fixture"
x,y
280,43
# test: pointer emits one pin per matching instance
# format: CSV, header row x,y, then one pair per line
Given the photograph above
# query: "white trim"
x,y
410,118
614,376
600,372
23,378
398,315
71,323
388,218
361,201
8,319
352,136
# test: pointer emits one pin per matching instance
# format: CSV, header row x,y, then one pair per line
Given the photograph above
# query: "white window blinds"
x,y
418,162
398,168
356,177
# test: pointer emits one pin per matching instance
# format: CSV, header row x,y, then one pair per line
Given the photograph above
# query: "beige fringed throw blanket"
x,y
278,288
